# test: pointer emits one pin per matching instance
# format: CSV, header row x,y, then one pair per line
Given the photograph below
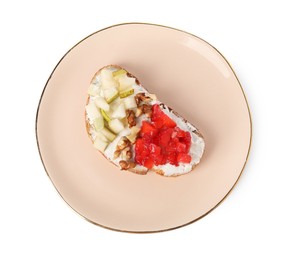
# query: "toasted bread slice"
x,y
118,146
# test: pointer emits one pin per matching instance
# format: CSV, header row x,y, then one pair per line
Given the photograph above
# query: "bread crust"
x,y
134,170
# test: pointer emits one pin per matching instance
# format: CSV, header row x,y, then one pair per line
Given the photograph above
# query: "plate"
x,y
186,73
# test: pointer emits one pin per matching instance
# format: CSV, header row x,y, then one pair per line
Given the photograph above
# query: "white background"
x,y
252,223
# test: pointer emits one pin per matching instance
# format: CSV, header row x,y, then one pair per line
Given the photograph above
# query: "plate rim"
x,y
144,231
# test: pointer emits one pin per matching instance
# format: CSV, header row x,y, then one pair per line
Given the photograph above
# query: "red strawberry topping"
x,y
161,141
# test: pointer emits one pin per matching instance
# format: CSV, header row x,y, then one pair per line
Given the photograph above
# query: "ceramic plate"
x,y
186,73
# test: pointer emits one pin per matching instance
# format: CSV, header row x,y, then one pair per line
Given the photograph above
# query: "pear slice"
x,y
94,90
108,134
92,111
107,80
110,94
116,126
98,123
100,144
101,103
125,82
129,102
115,103
109,83
119,112
119,73
125,93
105,115
101,136
106,74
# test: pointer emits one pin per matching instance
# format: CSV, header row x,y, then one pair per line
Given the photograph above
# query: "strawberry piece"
x,y
139,145
168,121
187,141
180,133
175,140
164,140
160,118
147,138
172,158
145,153
148,128
158,124
155,150
171,147
184,158
158,160
148,163
156,112
181,147
165,136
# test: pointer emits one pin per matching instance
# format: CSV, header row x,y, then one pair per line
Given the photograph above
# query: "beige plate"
x,y
186,73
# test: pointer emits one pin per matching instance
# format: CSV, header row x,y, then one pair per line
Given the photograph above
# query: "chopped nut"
x,y
128,155
146,99
130,118
123,153
148,114
131,165
153,96
138,98
141,97
144,109
138,111
124,165
123,142
116,154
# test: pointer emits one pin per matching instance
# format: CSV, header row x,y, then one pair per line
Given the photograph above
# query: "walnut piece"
x,y
141,97
116,154
144,109
138,112
128,155
130,118
147,110
124,165
122,144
